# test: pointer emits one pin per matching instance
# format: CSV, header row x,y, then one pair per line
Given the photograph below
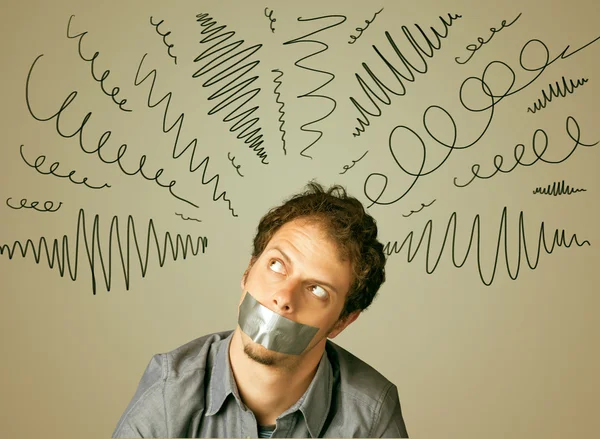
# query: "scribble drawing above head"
x,y
316,264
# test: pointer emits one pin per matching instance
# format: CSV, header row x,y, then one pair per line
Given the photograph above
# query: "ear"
x,y
245,275
342,324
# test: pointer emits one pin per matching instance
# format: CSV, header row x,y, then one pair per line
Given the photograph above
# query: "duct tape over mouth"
x,y
272,330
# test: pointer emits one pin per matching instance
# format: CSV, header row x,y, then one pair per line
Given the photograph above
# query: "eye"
x,y
318,291
276,266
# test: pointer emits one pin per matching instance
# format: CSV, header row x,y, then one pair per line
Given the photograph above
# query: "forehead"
x,y
306,234
309,235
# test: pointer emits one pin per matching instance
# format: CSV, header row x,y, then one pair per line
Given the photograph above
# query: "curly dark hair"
x,y
346,223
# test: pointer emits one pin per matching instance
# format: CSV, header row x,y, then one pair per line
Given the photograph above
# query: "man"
x,y
315,266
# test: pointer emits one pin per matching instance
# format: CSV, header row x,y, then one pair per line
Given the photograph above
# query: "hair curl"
x,y
346,223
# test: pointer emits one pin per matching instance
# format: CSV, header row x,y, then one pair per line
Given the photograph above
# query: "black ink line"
x,y
281,107
101,142
269,15
400,77
48,205
554,93
557,188
115,91
354,162
361,30
188,219
423,206
237,167
519,151
441,138
331,76
179,124
559,240
474,48
39,161
169,46
230,91
62,255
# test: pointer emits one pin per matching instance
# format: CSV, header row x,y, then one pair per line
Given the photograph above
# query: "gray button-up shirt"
x,y
191,392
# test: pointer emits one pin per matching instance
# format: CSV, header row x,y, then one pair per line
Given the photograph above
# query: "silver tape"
x,y
272,330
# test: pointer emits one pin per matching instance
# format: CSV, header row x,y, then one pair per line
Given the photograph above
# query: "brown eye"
x,y
318,291
276,266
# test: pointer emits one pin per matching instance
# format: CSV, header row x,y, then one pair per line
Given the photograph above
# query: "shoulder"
x,y
193,355
357,379
170,380
365,403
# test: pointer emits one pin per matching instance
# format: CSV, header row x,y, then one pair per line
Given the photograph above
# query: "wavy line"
x,y
53,167
169,46
362,29
48,205
179,123
408,76
237,167
519,152
61,254
311,94
232,89
271,19
423,206
558,240
354,162
281,107
188,219
540,105
557,188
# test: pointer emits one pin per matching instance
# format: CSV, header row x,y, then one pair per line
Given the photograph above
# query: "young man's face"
x,y
300,276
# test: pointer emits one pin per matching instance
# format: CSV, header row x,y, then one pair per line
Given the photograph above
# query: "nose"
x,y
285,298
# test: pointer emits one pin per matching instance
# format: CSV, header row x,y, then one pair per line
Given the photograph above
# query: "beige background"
x,y
517,358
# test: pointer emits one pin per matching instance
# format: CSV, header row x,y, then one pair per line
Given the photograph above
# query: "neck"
x,y
270,390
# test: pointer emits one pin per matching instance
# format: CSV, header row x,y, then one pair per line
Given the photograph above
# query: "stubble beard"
x,y
253,351
260,354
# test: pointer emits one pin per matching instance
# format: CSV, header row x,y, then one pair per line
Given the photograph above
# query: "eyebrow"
x,y
317,281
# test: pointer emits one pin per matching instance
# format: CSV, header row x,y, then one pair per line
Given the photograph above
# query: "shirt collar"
x,y
314,403
222,382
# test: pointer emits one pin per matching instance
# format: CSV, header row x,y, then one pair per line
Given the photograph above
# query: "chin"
x,y
260,354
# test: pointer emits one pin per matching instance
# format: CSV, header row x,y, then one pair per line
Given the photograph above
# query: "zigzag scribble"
x,y
557,188
553,92
179,124
64,256
311,94
281,107
231,91
559,240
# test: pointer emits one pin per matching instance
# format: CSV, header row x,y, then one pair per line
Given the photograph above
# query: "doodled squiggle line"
x,y
354,162
230,91
61,255
48,205
179,123
423,206
39,161
281,107
428,52
169,46
237,167
188,219
272,20
558,240
519,152
557,188
545,99
331,76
